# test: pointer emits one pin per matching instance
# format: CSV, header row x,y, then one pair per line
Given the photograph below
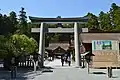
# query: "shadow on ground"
x,y
17,78
98,73
22,74
47,69
115,77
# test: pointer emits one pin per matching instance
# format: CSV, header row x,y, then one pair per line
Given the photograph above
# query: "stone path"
x,y
72,73
58,72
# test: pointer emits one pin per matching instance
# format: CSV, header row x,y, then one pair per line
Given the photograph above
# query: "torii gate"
x,y
42,30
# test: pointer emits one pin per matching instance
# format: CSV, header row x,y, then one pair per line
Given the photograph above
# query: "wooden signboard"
x,y
106,53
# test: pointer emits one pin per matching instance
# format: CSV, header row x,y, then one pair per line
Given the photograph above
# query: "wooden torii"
x,y
76,30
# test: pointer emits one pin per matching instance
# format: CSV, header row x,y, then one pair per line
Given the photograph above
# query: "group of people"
x,y
66,58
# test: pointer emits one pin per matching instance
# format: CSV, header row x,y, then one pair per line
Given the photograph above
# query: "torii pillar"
x,y
42,44
77,46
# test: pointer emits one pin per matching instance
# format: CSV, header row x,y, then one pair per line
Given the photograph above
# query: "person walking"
x,y
13,68
69,60
62,59
65,57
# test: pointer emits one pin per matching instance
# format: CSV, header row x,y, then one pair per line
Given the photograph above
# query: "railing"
x,y
27,63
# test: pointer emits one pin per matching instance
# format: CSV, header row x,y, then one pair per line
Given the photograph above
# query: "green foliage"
x,y
13,21
105,21
22,26
109,21
8,24
55,38
23,17
92,21
5,27
21,44
3,46
115,16
58,16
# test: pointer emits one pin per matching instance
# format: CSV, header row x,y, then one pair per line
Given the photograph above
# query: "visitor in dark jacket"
x,y
62,59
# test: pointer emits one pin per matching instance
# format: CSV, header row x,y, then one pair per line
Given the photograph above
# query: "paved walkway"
x,y
72,73
58,72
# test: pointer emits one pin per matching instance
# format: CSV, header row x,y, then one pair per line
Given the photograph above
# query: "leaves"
x,y
105,21
22,26
115,16
3,46
92,21
109,21
23,44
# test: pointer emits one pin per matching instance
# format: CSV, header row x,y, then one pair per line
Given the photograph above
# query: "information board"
x,y
105,45
106,53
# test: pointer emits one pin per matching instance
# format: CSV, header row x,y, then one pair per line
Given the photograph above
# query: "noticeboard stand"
x,y
109,69
88,58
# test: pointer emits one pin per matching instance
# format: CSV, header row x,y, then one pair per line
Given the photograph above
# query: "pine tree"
x,y
22,27
115,16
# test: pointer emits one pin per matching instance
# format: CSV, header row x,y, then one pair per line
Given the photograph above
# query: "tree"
x,y
115,16
13,21
17,45
92,21
5,25
117,19
1,23
58,16
105,21
3,47
22,45
8,24
23,17
22,26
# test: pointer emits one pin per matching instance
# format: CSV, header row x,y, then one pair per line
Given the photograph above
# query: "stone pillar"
x,y
42,44
77,45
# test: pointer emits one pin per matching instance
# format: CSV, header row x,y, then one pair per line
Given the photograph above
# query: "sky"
x,y
54,8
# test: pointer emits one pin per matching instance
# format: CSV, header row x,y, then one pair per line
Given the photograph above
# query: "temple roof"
x,y
53,46
74,19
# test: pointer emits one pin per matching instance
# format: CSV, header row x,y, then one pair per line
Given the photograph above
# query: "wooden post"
x,y
88,68
83,60
109,69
